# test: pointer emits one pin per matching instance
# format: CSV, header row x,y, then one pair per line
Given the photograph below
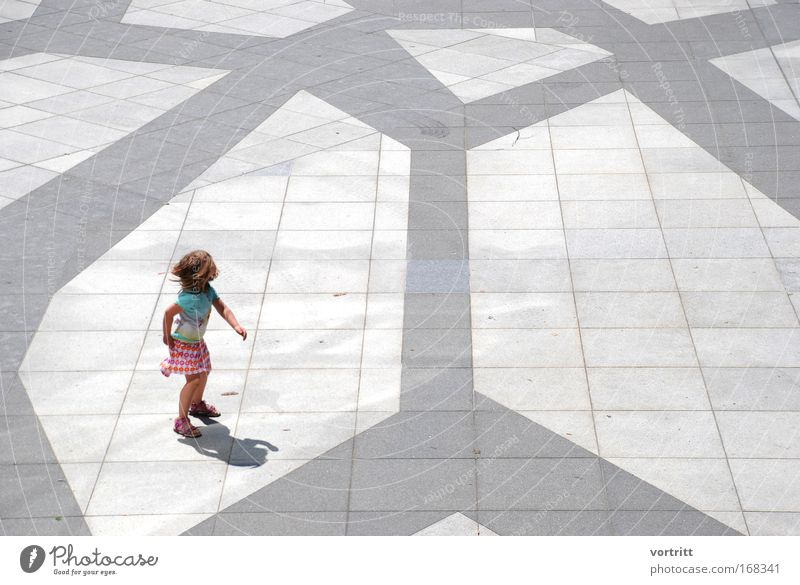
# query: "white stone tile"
x,y
244,189
771,214
647,389
328,216
119,277
143,524
313,311
233,216
389,244
151,392
702,213
228,245
658,434
68,393
333,188
385,311
603,187
150,437
732,347
630,309
79,438
783,241
391,215
515,215
318,276
149,487
526,348
382,348
768,485
519,275
638,348
516,244
502,162
308,349
739,309
716,243
773,523
523,310
612,275
91,312
615,243
592,137
760,435
753,388
379,391
318,245
609,214
512,188
534,388
607,160
704,185
386,276
736,274
336,163
83,350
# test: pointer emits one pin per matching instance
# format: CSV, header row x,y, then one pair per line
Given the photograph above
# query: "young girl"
x,y
188,354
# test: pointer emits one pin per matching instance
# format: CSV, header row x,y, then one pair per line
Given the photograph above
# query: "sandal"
x,y
202,408
184,428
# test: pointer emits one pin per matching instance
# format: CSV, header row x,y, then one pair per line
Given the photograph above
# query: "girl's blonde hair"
x,y
195,270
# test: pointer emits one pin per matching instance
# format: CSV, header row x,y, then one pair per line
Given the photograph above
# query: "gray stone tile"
x,y
24,441
35,491
436,311
48,526
507,434
541,484
547,522
668,523
412,435
436,389
437,276
437,348
318,486
412,484
437,245
436,188
281,524
425,215
392,523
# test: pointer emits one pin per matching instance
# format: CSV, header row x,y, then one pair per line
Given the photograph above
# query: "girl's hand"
x,y
241,331
169,341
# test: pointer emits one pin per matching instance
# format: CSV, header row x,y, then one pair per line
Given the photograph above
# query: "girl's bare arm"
x,y
169,316
228,315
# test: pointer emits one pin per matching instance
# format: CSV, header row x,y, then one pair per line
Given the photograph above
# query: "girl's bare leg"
x,y
202,380
187,393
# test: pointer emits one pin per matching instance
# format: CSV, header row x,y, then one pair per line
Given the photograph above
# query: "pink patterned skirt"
x,y
187,359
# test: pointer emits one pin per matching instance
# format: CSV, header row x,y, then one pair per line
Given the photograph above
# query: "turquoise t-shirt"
x,y
193,318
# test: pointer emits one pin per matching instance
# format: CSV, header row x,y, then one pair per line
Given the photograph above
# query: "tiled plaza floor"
x,y
508,266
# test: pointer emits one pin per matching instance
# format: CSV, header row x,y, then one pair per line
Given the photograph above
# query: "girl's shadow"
x,y
217,442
